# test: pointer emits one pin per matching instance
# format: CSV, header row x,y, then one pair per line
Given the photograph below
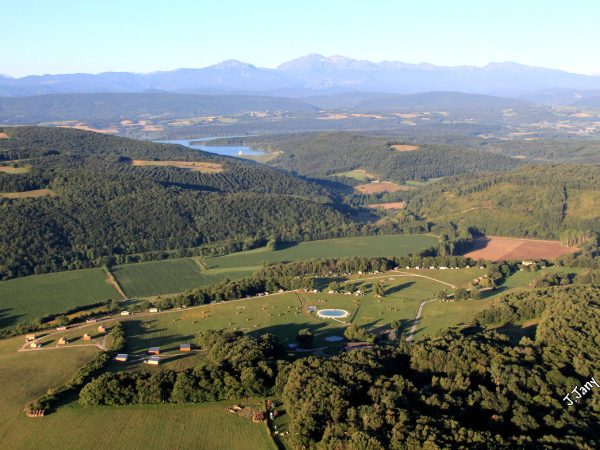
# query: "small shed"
x,y
153,310
185,348
63,328
63,341
92,320
87,337
153,361
101,329
154,351
30,337
34,345
122,357
125,313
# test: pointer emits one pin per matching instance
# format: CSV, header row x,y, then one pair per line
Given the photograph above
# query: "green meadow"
x,y
168,276
392,245
27,375
27,298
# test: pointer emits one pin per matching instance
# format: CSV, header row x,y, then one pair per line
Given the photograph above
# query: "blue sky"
x,y
63,36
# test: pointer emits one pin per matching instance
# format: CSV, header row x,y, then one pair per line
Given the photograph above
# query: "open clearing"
x,y
391,245
439,315
357,174
168,276
27,375
27,298
495,248
391,205
404,147
15,170
282,314
36,193
378,187
195,166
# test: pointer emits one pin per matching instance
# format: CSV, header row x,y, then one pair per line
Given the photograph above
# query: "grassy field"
x,y
28,194
397,245
358,174
15,170
27,298
281,314
168,276
25,376
440,315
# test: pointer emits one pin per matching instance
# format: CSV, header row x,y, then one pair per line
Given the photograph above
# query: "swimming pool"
x,y
332,313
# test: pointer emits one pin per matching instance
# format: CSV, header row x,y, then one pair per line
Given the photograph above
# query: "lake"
x,y
227,150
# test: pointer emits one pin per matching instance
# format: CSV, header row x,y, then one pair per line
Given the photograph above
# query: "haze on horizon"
x,y
66,36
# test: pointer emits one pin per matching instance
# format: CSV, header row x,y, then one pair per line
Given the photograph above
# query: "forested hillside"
x,y
462,389
325,154
100,206
543,201
106,107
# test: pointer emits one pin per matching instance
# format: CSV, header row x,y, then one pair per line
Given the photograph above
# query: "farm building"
x,y
101,329
87,337
122,357
154,351
125,313
153,310
30,337
63,341
63,328
185,348
153,361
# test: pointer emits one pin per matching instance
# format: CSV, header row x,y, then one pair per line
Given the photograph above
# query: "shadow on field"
x,y
492,292
139,340
399,287
7,320
286,333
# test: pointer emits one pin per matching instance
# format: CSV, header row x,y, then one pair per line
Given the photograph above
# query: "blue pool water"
x,y
333,313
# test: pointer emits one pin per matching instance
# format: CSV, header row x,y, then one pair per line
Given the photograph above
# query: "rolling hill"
x,y
101,207
542,201
112,107
325,154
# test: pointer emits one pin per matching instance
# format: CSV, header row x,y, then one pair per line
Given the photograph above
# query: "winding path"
x,y
413,328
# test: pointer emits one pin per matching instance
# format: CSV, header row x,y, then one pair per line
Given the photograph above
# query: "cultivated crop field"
x,y
390,205
36,193
195,166
27,298
499,248
168,276
382,186
404,147
15,170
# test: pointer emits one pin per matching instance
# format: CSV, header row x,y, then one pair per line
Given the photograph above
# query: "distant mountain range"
x,y
317,75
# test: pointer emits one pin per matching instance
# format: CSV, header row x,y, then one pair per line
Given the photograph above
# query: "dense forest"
x,y
468,387
326,154
103,206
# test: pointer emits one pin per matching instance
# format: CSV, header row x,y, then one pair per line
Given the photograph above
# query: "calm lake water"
x,y
227,150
